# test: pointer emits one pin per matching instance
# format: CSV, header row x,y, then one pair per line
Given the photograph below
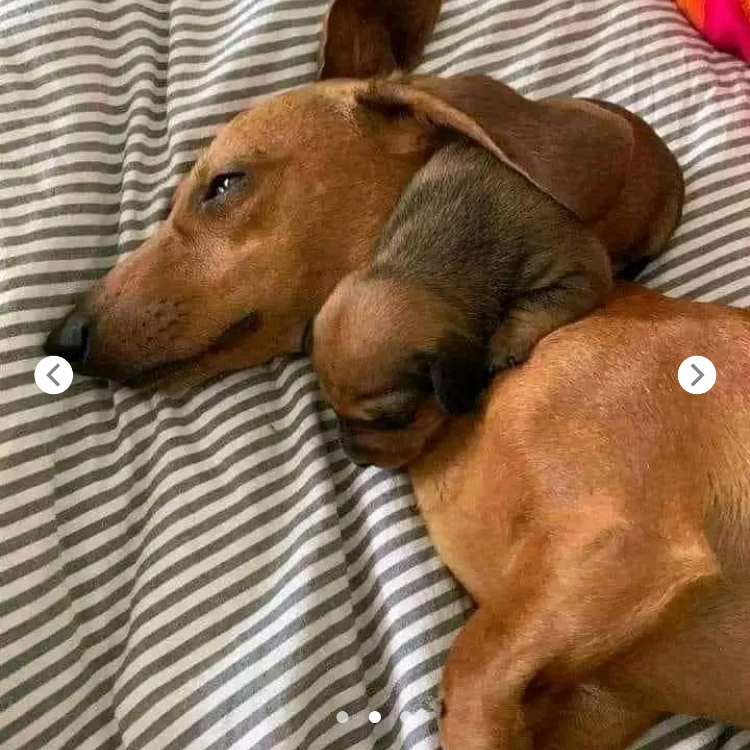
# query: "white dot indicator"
x,y
53,375
342,717
697,375
374,717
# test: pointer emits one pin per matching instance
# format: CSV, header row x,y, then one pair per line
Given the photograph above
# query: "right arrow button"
x,y
697,375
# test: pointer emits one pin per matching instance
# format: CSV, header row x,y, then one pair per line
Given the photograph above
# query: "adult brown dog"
x,y
290,195
600,517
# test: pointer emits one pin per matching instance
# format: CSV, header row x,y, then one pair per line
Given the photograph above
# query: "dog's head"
x,y
290,195
284,202
394,361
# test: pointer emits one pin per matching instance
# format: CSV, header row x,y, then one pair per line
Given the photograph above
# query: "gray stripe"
x,y
154,194
229,22
100,722
111,146
186,648
716,283
689,729
9,666
518,78
265,437
103,251
384,708
26,567
732,298
168,42
90,639
95,637
138,398
95,125
245,666
716,184
705,248
27,178
121,514
27,7
153,77
27,304
60,696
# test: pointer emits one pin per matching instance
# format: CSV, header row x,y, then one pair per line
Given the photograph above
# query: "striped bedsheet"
x,y
210,572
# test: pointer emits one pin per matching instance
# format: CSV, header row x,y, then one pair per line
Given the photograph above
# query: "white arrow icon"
x,y
53,375
697,375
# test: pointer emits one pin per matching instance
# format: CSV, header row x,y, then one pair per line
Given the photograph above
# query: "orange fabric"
x,y
695,10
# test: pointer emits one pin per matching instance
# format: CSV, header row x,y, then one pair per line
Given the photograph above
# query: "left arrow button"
x,y
53,375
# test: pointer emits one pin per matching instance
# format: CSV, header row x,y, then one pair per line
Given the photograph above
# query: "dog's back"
x,y
618,407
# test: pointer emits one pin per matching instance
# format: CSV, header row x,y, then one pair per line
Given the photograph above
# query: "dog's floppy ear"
x,y
459,373
601,162
573,150
365,38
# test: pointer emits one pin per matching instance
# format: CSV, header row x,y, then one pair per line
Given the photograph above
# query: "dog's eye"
x,y
222,184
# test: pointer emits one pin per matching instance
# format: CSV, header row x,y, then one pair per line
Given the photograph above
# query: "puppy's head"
x,y
394,361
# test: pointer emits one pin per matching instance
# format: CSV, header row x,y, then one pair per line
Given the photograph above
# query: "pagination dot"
x,y
374,717
342,717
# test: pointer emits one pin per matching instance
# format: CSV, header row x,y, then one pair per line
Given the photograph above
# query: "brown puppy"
x,y
471,270
290,195
599,515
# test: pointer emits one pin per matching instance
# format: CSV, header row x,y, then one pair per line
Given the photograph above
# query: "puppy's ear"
x,y
366,38
602,163
459,373
573,150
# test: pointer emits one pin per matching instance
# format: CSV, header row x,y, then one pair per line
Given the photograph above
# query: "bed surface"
x,y
210,572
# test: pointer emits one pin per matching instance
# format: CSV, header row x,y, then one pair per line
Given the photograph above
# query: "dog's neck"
x,y
433,488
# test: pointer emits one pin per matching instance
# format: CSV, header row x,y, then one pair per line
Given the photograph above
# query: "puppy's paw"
x,y
507,352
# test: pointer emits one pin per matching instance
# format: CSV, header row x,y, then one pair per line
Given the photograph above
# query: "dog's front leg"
x,y
581,588
478,713
586,716
541,311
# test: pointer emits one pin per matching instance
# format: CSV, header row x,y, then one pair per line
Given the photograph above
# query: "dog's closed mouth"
x,y
249,324
161,373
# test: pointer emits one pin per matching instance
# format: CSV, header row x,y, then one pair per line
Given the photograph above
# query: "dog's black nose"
x,y
70,339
